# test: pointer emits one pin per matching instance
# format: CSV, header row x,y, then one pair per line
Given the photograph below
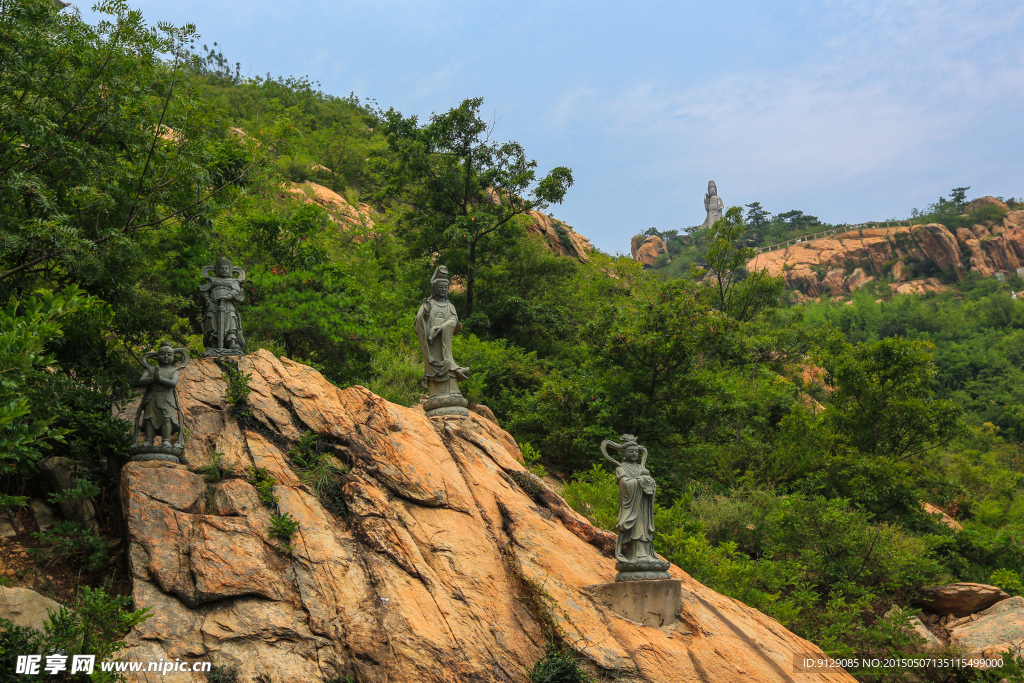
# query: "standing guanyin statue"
x,y
634,547
436,324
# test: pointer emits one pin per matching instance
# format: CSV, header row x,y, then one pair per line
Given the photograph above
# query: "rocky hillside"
x,y
447,561
838,264
559,237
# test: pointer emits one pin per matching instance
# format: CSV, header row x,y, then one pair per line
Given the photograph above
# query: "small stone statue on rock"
x,y
159,414
436,324
713,204
222,328
634,548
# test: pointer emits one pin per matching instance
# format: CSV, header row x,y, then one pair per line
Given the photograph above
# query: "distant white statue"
x,y
713,204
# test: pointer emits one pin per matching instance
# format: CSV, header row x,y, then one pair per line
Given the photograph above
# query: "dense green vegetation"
x,y
792,445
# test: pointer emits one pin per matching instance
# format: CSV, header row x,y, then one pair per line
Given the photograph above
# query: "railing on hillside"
x,y
834,231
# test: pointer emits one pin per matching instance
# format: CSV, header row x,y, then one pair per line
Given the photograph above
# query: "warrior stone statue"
x,y
436,324
222,328
159,413
713,204
634,548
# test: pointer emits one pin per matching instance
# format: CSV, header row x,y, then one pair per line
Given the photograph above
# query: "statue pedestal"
x,y
452,404
168,453
651,603
642,570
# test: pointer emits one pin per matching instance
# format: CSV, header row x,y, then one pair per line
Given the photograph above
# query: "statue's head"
x,y
712,188
630,448
440,283
165,354
223,267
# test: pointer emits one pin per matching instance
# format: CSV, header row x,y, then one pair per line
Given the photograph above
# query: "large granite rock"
x,y
448,550
647,250
26,608
984,249
994,630
959,599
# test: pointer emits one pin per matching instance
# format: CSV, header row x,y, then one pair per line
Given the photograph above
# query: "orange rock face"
x,y
647,250
439,570
560,238
338,208
819,266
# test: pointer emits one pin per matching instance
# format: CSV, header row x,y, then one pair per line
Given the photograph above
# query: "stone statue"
x,y
713,204
159,413
634,548
436,324
222,328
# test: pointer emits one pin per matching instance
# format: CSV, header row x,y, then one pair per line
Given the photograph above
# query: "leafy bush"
x,y
68,539
216,470
237,394
283,527
558,666
94,625
264,483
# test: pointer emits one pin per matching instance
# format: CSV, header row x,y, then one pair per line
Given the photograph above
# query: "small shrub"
x,y
558,666
532,457
595,495
1008,580
68,539
318,469
216,470
283,527
264,483
222,674
237,394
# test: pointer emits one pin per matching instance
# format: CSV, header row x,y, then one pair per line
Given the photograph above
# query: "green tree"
x,y
883,398
101,139
731,289
465,191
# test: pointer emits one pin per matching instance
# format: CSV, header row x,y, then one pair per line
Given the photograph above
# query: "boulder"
x,y
942,518
559,237
981,231
648,250
959,599
899,271
447,562
857,278
963,234
804,280
985,201
59,475
26,608
991,631
834,282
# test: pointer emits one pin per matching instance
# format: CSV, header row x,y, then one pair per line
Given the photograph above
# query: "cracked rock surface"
x,y
451,564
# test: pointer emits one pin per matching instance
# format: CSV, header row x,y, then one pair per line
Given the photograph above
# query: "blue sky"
x,y
849,110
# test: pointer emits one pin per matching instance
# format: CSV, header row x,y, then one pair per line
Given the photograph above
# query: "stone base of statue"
x,y
452,404
169,453
642,570
217,353
651,603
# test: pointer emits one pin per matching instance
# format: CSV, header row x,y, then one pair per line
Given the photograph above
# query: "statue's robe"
x,y
220,291
636,502
160,403
435,330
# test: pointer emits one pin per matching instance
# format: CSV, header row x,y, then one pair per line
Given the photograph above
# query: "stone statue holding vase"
x,y
159,414
222,327
436,323
634,548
